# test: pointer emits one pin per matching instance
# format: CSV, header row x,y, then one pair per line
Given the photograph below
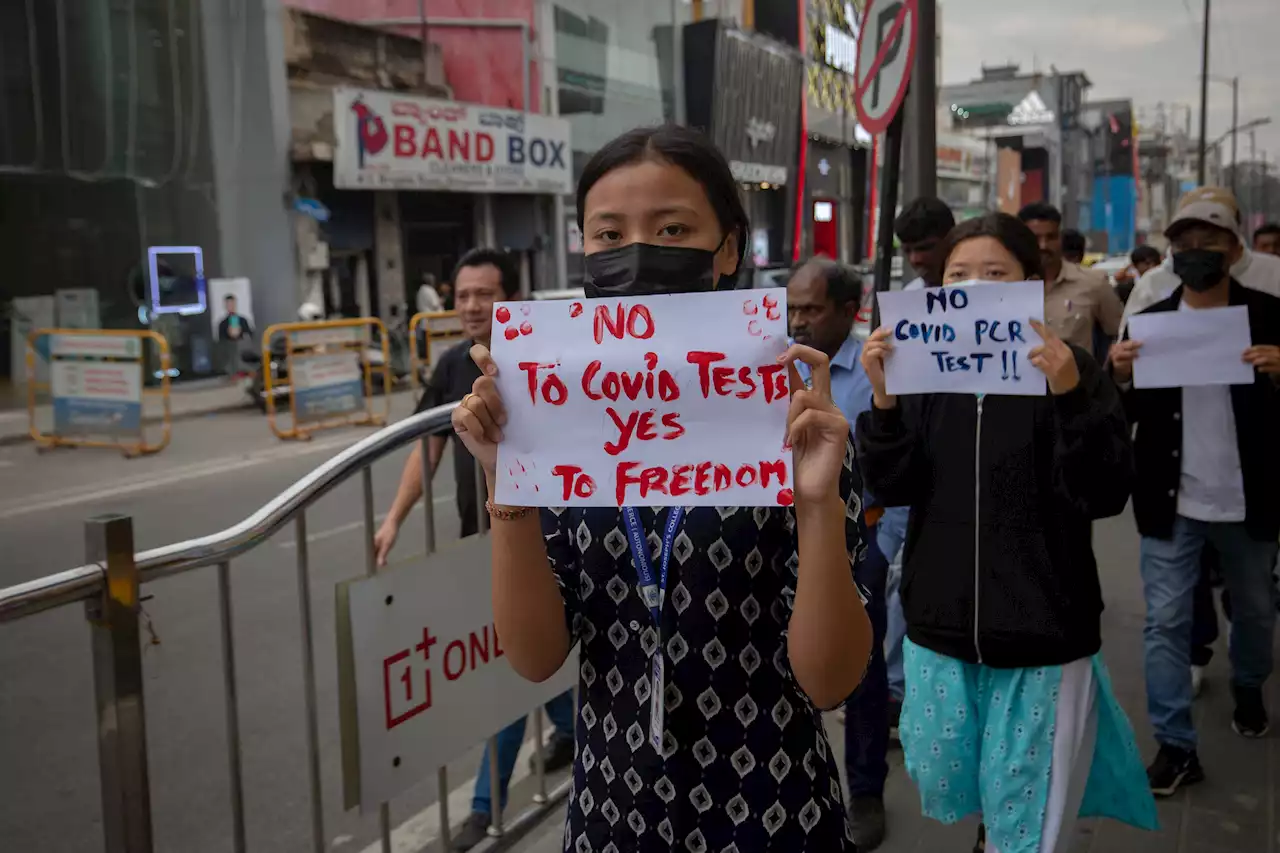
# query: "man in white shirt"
x,y
1207,472
1255,270
428,300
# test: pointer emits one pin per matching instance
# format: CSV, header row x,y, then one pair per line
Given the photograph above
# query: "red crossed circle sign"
x,y
886,50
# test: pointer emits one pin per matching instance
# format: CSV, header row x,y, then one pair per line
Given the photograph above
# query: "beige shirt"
x,y
1076,300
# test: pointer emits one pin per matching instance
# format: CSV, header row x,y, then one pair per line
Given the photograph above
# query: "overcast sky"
x,y
1145,50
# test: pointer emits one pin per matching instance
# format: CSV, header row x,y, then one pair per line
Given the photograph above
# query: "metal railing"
x,y
109,585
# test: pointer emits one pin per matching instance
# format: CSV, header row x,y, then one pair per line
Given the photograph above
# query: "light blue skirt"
x,y
980,739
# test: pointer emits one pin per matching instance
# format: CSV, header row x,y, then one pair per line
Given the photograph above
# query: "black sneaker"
x,y
980,845
866,822
1172,769
556,755
1250,718
895,714
473,830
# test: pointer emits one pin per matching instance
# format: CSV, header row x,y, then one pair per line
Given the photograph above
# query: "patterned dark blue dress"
x,y
745,764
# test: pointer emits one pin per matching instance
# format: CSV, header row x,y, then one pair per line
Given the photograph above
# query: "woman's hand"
x,y
1121,357
874,352
1055,360
816,430
480,416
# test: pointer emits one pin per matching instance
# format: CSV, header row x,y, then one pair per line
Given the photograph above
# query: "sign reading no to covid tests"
x,y
654,400
974,338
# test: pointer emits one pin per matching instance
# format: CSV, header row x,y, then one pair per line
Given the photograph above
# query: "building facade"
x,y
1109,213
1036,116
740,89
182,145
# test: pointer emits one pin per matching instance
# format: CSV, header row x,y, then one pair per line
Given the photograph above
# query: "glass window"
x,y
614,69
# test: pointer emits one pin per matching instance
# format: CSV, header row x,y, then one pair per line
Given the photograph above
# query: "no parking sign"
x,y
886,50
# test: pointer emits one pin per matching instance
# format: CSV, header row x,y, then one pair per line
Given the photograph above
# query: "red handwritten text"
x,y
739,381
634,320
575,482
703,478
640,425
615,384
553,388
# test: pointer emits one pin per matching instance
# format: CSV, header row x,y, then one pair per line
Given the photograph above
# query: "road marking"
x,y
71,497
421,831
352,525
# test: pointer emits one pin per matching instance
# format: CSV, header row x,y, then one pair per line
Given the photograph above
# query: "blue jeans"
x,y
866,721
1170,572
559,710
890,534
895,631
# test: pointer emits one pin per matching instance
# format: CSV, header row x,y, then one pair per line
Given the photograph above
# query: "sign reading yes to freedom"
x,y
650,400
970,339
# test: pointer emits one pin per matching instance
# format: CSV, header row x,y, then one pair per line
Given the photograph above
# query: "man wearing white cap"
x,y
1208,472
1215,205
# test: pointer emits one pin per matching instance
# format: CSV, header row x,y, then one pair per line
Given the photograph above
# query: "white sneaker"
x,y
1197,681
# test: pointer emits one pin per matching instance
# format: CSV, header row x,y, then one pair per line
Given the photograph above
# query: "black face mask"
x,y
643,269
1200,269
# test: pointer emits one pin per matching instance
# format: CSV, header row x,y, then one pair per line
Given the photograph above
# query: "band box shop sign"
x,y
387,140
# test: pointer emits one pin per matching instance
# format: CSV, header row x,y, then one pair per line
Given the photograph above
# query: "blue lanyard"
x,y
651,590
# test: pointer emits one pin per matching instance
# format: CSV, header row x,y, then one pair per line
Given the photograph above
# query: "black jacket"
x,y
1157,414
998,565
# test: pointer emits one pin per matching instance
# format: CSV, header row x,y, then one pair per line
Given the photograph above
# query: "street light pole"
x,y
1204,95
1235,122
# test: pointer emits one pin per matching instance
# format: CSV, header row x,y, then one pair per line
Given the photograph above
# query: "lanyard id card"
x,y
653,592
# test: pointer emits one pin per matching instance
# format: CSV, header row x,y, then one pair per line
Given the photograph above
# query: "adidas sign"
x,y
1031,110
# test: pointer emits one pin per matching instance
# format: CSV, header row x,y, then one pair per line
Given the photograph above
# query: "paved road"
x,y
217,471
222,467
1234,811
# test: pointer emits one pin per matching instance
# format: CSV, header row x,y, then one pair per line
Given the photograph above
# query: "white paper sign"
x,y
651,401
963,339
1182,349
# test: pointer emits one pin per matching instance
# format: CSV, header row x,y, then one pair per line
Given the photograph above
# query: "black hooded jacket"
x,y
998,564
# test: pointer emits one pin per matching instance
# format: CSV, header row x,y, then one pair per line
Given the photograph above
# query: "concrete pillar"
x,y
557,234
248,118
388,252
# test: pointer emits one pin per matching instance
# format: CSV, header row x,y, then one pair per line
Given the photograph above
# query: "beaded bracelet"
x,y
504,514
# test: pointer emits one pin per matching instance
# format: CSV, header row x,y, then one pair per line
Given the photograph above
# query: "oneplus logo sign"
x,y
406,687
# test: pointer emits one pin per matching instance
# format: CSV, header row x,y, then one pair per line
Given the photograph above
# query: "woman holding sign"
x,y
1008,709
700,717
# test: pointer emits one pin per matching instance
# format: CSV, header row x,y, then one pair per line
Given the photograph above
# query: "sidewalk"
x,y
1234,811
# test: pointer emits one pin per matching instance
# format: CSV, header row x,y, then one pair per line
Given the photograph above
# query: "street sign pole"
x,y
889,174
920,178
886,54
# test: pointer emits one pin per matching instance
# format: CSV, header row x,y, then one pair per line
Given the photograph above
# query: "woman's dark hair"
x,y
1011,233
680,146
499,260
